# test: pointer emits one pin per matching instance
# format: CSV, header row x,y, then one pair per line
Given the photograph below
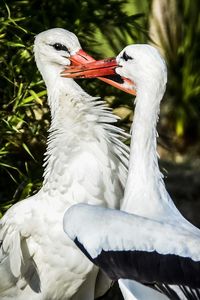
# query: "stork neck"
x,y
76,128
69,122
58,86
143,139
144,183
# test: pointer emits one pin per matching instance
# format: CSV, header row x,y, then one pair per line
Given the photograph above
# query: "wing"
x,y
132,247
16,262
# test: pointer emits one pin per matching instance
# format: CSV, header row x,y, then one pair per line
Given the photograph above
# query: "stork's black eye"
x,y
126,57
60,47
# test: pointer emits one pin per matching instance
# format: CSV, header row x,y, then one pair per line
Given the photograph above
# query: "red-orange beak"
x,y
84,66
80,57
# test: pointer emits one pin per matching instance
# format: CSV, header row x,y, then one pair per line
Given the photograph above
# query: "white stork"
x,y
148,241
83,164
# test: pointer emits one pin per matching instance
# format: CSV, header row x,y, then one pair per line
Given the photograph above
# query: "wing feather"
x,y
15,254
14,228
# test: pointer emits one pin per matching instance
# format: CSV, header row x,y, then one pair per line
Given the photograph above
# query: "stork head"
x,y
56,48
141,64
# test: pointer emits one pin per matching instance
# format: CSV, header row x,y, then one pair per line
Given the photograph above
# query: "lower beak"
x,y
84,66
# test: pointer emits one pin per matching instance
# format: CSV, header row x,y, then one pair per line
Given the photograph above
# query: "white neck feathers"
x,y
145,192
78,121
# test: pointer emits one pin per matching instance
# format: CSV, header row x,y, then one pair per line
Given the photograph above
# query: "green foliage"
x,y
24,115
188,52
175,25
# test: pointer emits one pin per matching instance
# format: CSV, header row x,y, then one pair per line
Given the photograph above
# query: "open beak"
x,y
84,66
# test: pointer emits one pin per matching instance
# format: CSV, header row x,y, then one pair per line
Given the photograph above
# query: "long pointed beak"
x,y
89,68
96,68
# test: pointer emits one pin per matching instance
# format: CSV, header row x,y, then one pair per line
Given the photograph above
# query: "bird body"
x,y
37,260
149,240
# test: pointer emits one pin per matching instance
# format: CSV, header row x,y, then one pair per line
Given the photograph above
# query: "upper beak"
x,y
84,66
80,57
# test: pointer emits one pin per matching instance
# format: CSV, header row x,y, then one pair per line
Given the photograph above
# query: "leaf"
x,y
180,128
10,167
28,151
13,44
33,96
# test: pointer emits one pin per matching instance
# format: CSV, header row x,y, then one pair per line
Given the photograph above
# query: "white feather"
x,y
133,290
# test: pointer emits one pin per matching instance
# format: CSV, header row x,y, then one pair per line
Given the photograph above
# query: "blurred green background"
x,y
103,27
